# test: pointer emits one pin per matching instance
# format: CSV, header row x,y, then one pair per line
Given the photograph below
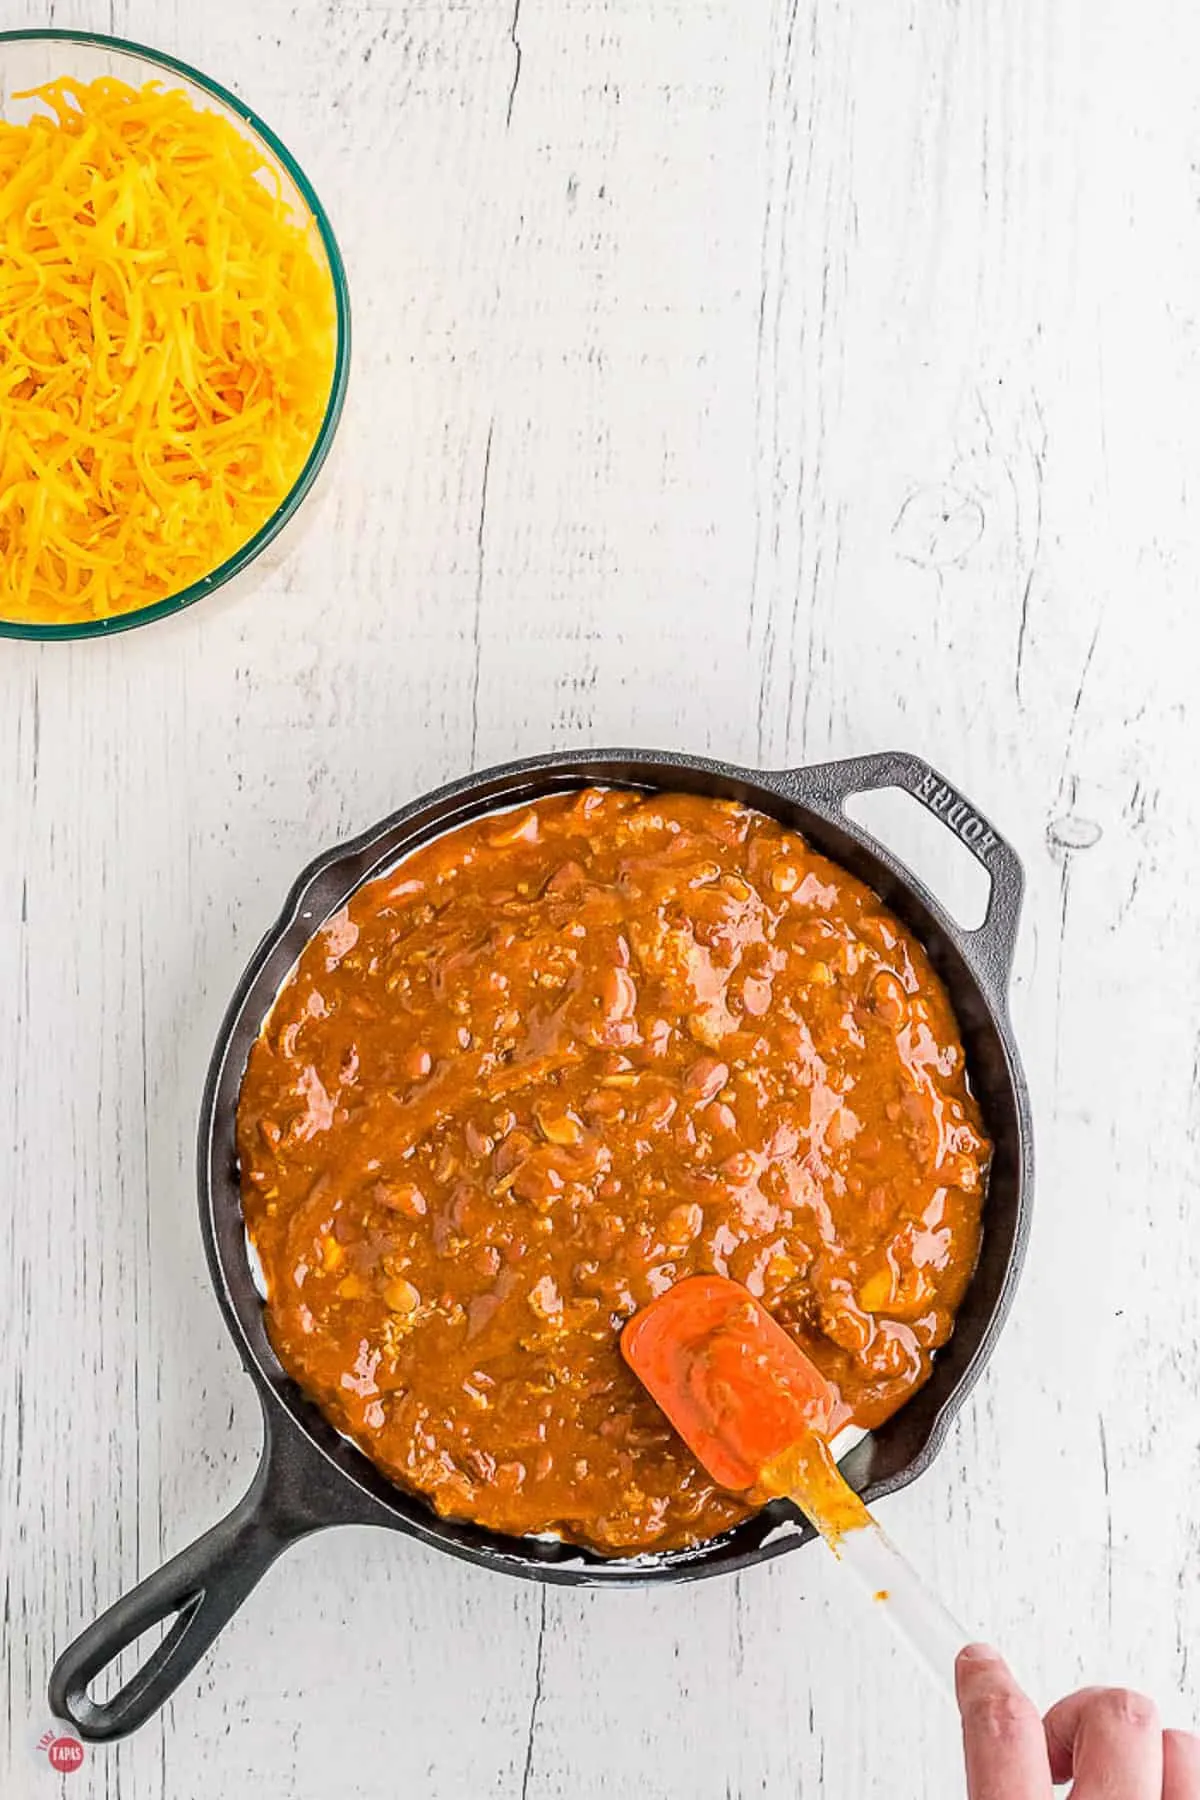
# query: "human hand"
x,y
1108,1741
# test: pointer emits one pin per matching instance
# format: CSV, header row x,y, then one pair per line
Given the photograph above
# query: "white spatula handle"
x,y
898,1592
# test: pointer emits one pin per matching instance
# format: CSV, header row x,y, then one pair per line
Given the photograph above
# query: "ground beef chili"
x,y
552,1063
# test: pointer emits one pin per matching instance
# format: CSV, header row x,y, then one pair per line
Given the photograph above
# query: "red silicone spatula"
x,y
756,1411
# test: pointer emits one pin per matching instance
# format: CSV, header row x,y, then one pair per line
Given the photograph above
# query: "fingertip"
x,y
1181,1765
991,1700
978,1665
1002,1729
974,1654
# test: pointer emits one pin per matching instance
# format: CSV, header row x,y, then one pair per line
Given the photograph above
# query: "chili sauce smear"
x,y
556,1061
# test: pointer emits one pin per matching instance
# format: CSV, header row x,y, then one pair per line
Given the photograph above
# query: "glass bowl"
x,y
30,58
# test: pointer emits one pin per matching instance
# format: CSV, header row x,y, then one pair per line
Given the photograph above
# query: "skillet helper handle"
x,y
827,786
897,1592
202,1588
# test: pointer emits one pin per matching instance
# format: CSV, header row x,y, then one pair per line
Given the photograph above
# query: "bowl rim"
x,y
296,494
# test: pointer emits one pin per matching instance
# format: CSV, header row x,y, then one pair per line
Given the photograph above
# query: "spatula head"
x,y
737,1389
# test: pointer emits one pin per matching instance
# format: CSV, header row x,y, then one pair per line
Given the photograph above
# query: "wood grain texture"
x,y
783,381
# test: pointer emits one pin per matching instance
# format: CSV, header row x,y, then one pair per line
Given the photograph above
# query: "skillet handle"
x,y
825,787
202,1587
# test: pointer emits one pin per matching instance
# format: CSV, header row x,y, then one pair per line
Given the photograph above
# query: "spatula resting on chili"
x,y
756,1411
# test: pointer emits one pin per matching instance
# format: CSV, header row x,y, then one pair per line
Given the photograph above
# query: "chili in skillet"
x,y
557,1060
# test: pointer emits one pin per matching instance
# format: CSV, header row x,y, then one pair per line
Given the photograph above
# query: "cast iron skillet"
x,y
310,1477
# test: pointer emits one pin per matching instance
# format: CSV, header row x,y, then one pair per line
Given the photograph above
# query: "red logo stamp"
x,y
62,1753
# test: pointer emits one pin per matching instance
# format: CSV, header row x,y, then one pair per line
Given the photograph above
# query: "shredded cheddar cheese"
x,y
166,348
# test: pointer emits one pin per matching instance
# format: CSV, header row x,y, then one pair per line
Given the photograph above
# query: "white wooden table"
x,y
779,380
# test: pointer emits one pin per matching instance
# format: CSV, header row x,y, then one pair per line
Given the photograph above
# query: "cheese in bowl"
x,y
169,341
